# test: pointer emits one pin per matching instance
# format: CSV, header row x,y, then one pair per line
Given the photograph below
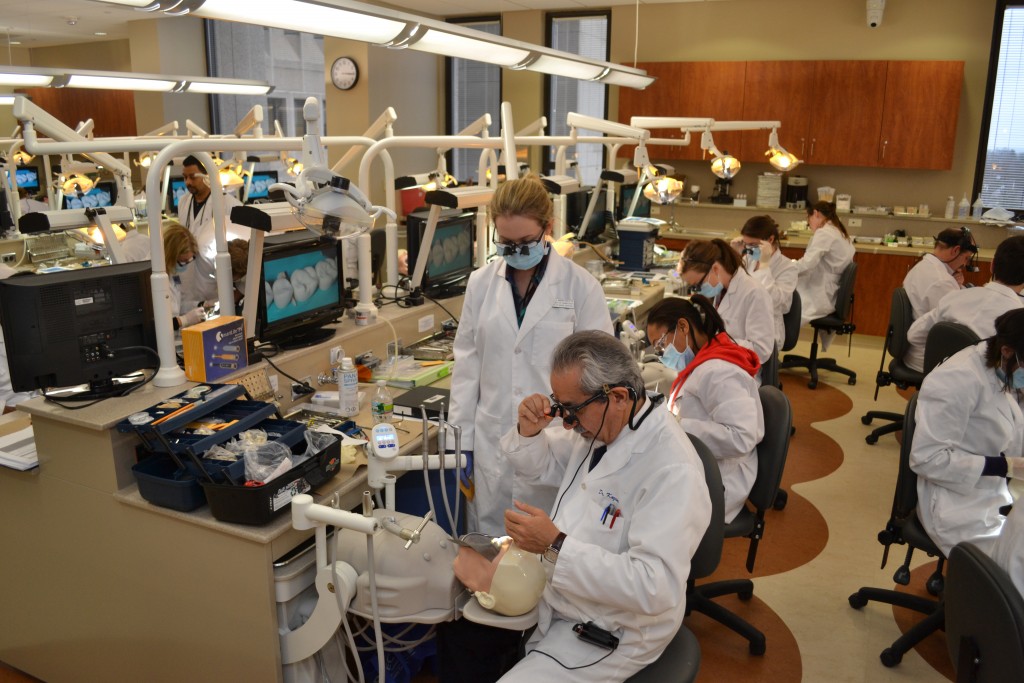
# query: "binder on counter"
x,y
415,374
434,399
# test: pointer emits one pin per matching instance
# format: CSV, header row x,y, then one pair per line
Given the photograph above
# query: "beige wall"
x,y
175,48
828,29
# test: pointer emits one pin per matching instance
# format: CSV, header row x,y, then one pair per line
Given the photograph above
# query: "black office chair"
x,y
984,619
679,663
791,335
749,523
902,528
901,315
838,322
944,340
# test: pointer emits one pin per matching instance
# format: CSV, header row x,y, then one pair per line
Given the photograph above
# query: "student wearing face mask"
x,y
825,258
714,395
517,309
179,256
714,269
758,247
970,437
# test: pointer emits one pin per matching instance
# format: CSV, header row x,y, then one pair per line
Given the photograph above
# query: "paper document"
x,y
18,449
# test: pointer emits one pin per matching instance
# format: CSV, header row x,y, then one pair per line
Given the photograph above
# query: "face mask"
x,y
528,261
1016,380
711,291
675,360
754,253
179,269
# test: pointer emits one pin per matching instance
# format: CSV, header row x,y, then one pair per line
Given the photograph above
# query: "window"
x,y
1001,154
474,89
292,62
585,35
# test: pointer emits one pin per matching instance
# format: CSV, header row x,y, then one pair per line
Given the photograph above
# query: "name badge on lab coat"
x,y
564,303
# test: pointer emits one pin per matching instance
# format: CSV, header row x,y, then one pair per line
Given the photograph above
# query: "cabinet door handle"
x,y
885,143
803,146
813,140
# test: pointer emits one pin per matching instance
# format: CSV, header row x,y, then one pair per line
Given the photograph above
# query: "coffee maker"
x,y
796,192
720,194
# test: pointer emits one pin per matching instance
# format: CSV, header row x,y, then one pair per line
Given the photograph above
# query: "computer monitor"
x,y
302,292
175,189
593,231
259,188
28,178
643,205
103,194
451,252
86,326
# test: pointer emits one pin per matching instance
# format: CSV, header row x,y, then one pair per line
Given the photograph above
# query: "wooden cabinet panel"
x,y
112,110
713,89
922,103
847,117
778,91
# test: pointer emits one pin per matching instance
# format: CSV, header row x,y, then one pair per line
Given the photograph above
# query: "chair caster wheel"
x,y
852,381
813,384
871,439
890,657
857,601
865,419
745,595
934,585
757,647
781,498
902,576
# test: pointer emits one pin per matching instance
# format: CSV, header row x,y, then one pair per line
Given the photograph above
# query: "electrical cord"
x,y
127,390
305,387
572,668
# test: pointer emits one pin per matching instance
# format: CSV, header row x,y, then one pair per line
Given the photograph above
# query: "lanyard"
x,y
196,214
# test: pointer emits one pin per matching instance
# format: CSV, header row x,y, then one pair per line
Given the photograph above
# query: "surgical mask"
x,y
526,261
753,252
711,291
180,268
1016,380
674,359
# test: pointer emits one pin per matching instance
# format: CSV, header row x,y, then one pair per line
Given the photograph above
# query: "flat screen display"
x,y
259,188
28,178
451,251
300,283
643,205
176,189
104,194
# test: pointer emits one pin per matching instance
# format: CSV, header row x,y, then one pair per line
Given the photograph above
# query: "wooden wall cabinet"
x,y
891,114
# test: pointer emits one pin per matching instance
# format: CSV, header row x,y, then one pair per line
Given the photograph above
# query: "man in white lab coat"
x,y
195,212
975,307
515,312
632,507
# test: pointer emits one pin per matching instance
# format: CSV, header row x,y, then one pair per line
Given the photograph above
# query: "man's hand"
x,y
958,275
533,414
530,527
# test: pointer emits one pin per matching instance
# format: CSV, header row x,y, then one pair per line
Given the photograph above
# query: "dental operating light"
x,y
367,23
778,157
725,166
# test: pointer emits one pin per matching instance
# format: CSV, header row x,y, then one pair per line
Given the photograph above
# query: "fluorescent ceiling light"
x,y
557,66
214,88
24,79
7,99
451,45
120,83
627,80
307,17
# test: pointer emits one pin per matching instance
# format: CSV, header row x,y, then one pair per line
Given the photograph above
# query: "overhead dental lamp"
x,y
778,157
725,166
665,190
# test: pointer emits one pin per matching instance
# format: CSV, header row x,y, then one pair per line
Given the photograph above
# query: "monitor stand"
x,y
303,338
98,389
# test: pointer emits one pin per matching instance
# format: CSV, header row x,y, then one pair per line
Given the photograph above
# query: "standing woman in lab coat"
x,y
516,310
970,437
745,306
180,250
758,246
827,255
714,395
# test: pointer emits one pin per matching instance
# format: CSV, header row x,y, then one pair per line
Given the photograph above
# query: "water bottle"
x,y
977,208
383,406
950,207
348,389
965,207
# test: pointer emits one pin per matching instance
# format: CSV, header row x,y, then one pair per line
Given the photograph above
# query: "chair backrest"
x,y
770,369
709,552
791,323
844,295
945,339
984,618
901,315
772,451
905,499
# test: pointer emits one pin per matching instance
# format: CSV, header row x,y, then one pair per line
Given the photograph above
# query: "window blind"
x,y
475,89
1003,177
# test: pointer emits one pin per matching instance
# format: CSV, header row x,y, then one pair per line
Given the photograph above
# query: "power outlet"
x,y
9,257
298,391
337,353
854,222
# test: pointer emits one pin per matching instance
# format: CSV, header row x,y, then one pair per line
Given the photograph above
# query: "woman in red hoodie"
x,y
715,393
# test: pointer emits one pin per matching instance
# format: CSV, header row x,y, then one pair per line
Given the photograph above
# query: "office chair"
x,y
901,315
679,663
944,340
902,528
836,323
770,369
984,619
771,460
791,335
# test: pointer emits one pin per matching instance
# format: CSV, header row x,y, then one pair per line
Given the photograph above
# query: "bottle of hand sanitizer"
x,y
964,208
950,207
978,208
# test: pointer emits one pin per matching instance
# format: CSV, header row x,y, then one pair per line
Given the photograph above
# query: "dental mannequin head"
x,y
510,584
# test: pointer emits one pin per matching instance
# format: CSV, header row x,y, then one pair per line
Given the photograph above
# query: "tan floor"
x,y
837,643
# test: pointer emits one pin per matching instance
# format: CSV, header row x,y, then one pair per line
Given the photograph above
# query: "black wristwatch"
x,y
551,554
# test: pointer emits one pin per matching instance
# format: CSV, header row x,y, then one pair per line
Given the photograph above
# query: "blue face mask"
x,y
1016,380
754,253
179,269
676,360
528,261
710,291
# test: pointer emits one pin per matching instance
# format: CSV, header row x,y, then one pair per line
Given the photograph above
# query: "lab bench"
x,y
98,584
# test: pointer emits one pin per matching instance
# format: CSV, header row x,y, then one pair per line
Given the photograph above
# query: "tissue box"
x,y
214,348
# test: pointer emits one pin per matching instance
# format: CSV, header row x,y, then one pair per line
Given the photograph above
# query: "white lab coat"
x,y
962,415
719,404
135,247
778,278
200,281
29,205
827,255
498,363
629,578
748,313
927,282
1008,548
975,307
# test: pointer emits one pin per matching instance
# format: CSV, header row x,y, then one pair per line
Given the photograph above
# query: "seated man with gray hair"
x,y
631,509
